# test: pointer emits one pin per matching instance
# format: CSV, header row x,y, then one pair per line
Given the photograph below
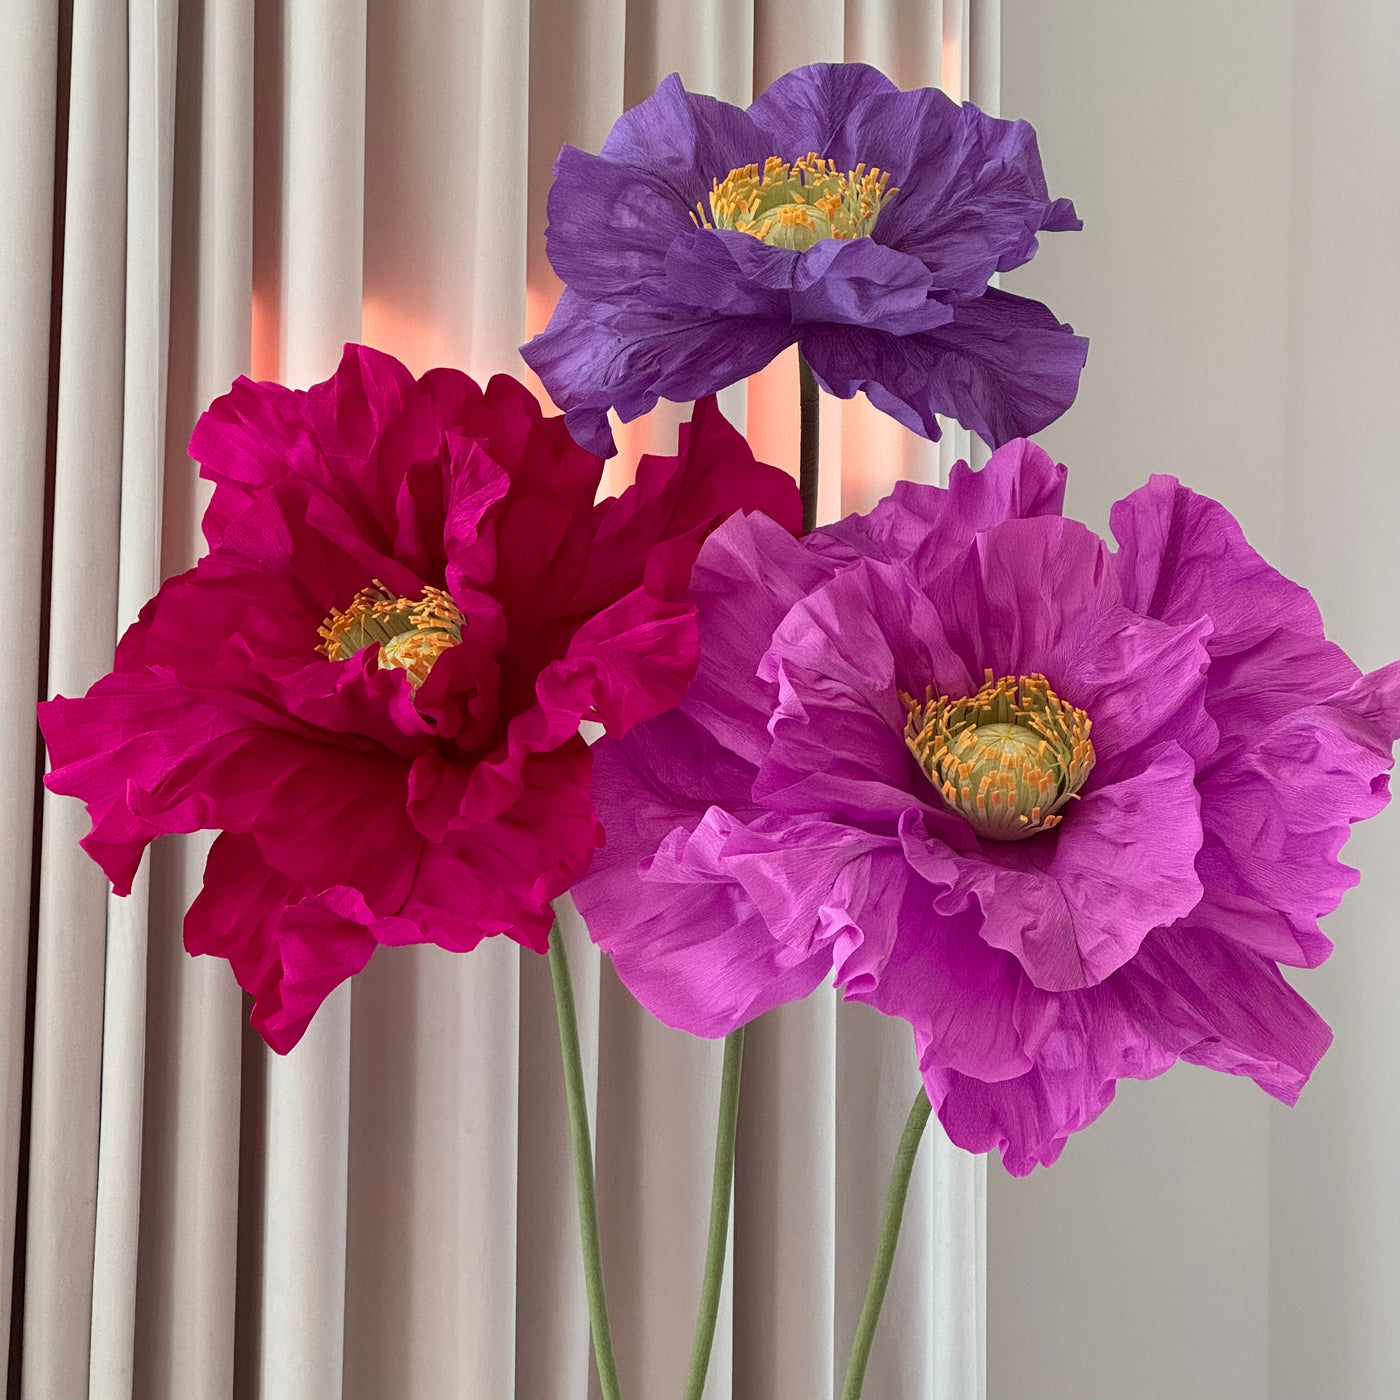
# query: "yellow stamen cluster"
x,y
410,633
1006,759
794,206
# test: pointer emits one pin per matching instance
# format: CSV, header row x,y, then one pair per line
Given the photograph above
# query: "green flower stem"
x,y
583,1165
808,451
721,1194
884,1252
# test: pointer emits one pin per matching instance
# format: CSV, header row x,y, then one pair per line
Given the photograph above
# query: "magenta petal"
x,y
972,1007
1276,815
1233,1009
1074,906
651,533
624,665
1040,595
499,876
1187,995
359,804
841,658
288,947
749,573
786,893
931,527
1097,1040
1184,556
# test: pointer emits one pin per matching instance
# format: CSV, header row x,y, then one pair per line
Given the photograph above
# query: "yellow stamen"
x,y
797,205
410,633
1006,759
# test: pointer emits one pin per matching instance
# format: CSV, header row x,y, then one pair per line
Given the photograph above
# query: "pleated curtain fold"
x,y
196,189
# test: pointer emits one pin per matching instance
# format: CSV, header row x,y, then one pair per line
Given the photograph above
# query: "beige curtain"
x,y
193,189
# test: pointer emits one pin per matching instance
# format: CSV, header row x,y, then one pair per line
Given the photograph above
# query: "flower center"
x,y
410,633
795,206
1006,759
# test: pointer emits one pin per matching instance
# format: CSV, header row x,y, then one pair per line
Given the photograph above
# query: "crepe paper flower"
x,y
1063,810
373,683
838,213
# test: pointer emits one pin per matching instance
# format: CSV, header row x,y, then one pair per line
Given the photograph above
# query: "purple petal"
x,y
609,224
1003,367
686,938
860,283
686,140
972,193
1186,995
1041,595
725,273
597,355
807,109
1276,815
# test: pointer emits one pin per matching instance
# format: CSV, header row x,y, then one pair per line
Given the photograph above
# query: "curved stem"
x,y
721,1194
810,442
583,1165
884,1251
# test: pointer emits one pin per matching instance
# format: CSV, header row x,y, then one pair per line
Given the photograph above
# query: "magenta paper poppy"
x,y
1063,810
372,684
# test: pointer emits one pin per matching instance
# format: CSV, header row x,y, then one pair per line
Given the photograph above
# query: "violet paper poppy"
x,y
837,212
1062,810
372,684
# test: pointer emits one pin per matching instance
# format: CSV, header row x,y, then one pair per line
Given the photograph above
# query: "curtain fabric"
x,y
195,189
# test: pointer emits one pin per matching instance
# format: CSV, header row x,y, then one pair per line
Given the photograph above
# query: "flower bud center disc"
x,y
1006,759
797,205
410,633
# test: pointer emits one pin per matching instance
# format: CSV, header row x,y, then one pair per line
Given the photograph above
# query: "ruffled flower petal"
x,y
610,224
686,140
597,355
1186,996
1076,904
810,108
1004,367
289,949
930,529
972,1007
972,194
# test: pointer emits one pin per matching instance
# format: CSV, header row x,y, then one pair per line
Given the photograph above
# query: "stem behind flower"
x,y
809,448
884,1251
583,1165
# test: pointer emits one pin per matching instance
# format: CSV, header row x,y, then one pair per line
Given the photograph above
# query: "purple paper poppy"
x,y
837,212
1062,810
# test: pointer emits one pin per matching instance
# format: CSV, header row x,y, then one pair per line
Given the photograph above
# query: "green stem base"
x,y
721,1194
583,1165
884,1251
